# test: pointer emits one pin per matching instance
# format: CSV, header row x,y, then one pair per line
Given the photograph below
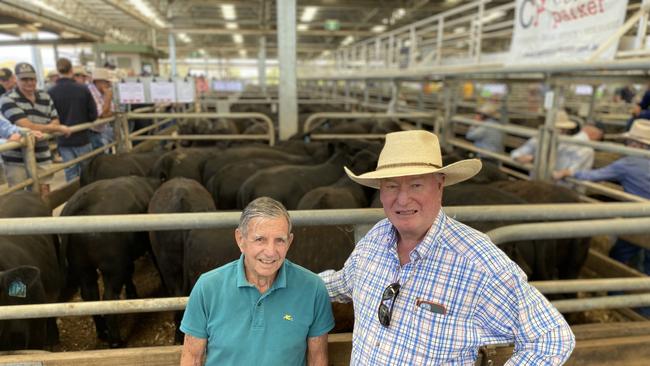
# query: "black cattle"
x,y
186,163
176,195
31,272
288,183
120,165
110,253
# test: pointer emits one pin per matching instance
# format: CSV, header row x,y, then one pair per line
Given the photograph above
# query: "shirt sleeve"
x,y
91,105
195,318
323,316
53,113
527,148
476,133
645,102
7,129
611,172
509,308
340,283
10,110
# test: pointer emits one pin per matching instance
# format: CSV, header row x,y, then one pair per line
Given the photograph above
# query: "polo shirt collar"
x,y
279,282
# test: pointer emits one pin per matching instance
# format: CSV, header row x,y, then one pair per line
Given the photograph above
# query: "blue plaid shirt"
x,y
473,295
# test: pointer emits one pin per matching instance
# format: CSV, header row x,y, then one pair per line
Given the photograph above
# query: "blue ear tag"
x,y
17,289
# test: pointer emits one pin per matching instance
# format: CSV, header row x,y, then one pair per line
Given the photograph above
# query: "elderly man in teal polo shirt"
x,y
261,309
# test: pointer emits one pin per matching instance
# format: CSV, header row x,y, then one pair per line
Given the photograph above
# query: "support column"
x,y
172,54
366,93
55,48
544,159
261,64
347,95
592,103
37,62
287,63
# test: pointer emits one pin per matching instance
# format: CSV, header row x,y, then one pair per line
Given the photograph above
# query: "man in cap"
x,y
101,88
485,137
75,105
261,309
7,80
80,75
428,290
568,156
28,107
633,173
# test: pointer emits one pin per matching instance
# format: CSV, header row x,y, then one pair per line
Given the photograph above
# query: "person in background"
x,y
80,75
429,290
101,89
28,107
51,79
7,80
568,156
485,137
633,173
261,309
75,105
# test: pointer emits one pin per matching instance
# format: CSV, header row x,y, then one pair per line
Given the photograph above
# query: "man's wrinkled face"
x,y
265,245
412,203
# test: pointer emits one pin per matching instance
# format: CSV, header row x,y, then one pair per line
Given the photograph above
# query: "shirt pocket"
x,y
439,337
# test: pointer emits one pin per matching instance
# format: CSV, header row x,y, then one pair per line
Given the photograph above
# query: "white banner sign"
x,y
131,93
163,92
564,31
185,91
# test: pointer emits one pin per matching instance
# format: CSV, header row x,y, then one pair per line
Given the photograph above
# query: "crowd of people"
x,y
72,96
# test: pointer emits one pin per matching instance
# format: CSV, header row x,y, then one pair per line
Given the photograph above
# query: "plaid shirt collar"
x,y
428,243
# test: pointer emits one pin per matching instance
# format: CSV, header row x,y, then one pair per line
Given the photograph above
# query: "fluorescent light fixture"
x,y
326,53
458,30
228,12
378,28
184,37
308,14
202,51
242,53
231,25
493,16
145,9
237,38
303,27
41,4
9,26
348,40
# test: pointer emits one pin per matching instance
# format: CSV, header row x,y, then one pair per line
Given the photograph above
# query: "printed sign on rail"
x,y
131,92
564,31
163,92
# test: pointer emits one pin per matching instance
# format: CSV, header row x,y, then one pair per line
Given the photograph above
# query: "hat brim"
x,y
454,173
25,75
565,125
629,136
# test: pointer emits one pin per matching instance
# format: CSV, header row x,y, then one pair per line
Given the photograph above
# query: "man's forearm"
x,y
317,351
193,351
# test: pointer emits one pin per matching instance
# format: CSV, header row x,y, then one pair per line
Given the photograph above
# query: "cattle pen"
x,y
274,98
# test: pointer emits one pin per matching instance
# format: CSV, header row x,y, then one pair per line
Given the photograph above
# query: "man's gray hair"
x,y
264,207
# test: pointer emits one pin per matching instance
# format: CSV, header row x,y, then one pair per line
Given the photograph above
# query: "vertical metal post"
x,y
154,39
287,63
542,166
642,29
261,64
37,62
504,105
412,47
366,93
378,53
391,50
421,96
172,54
439,34
122,135
347,95
206,67
55,48
444,129
592,104
29,154
479,32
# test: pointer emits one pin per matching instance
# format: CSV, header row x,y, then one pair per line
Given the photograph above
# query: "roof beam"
x,y
44,42
133,14
271,32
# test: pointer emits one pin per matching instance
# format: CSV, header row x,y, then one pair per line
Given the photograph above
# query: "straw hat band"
x,y
401,165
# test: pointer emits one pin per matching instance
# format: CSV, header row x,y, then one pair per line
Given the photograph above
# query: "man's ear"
x,y
290,239
239,238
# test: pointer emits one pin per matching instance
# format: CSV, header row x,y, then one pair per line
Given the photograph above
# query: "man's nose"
x,y
403,196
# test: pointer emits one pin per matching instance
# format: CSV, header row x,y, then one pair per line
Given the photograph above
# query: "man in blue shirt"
x,y
485,137
261,309
428,290
633,173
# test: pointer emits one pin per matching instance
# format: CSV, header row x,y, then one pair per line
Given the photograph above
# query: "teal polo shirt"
x,y
244,327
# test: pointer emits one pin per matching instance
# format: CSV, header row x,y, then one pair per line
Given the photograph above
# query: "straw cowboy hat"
x,y
79,70
414,152
102,73
488,109
640,131
563,122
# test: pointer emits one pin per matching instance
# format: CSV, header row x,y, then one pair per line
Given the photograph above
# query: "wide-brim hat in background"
x,y
415,152
640,131
563,122
488,109
51,73
24,70
79,70
102,73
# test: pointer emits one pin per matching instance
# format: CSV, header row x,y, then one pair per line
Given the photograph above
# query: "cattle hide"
x,y
120,165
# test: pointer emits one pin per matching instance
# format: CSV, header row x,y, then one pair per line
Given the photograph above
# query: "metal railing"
x,y
317,119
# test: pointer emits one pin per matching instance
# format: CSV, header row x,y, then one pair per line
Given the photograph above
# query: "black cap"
x,y
5,74
24,70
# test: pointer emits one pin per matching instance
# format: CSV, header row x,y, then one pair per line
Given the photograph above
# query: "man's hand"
x,y
65,130
559,174
37,134
636,110
15,137
524,159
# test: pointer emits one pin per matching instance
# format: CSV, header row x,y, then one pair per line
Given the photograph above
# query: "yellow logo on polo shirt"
x,y
288,317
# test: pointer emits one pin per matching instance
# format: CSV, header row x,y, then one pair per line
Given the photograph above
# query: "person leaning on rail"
x,y
429,290
485,137
261,309
633,173
28,107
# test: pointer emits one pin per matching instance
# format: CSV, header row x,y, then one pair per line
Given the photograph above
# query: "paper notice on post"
x,y
163,92
185,91
131,93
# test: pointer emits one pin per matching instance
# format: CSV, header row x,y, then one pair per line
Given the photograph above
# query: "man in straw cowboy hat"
x,y
485,137
568,156
633,173
428,290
